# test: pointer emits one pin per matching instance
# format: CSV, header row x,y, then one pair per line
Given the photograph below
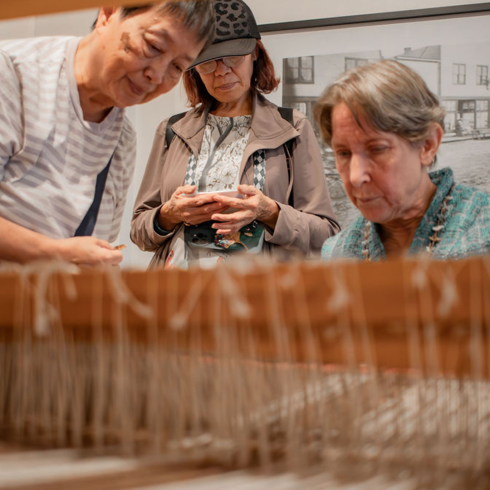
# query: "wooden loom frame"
x,y
385,305
380,307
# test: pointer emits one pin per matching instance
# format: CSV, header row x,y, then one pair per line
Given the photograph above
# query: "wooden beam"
x,y
24,8
388,313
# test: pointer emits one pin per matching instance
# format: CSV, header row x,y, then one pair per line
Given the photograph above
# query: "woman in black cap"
x,y
235,173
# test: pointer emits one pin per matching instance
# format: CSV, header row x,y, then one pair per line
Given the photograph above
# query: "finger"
x,y
233,202
212,208
228,228
104,244
194,201
112,257
233,218
225,231
228,217
248,190
205,199
225,228
194,215
185,189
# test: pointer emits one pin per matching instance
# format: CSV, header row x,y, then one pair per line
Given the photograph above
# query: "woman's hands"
x,y
192,210
254,206
18,244
87,251
197,209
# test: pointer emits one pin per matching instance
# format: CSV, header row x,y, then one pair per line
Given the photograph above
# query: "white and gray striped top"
x,y
49,156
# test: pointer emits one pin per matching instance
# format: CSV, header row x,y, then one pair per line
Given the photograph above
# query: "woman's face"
x,y
384,175
140,57
231,86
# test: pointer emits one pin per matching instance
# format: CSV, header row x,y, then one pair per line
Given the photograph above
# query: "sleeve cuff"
x,y
158,229
283,232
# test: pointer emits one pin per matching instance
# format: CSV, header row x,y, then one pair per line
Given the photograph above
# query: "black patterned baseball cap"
x,y
236,31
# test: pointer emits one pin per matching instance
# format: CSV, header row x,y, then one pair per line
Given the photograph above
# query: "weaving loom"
x,y
328,372
340,376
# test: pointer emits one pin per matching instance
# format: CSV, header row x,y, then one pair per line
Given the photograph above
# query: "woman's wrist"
x,y
270,219
50,248
165,221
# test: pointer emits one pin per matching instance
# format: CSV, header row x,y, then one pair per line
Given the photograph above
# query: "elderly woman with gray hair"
x,y
385,127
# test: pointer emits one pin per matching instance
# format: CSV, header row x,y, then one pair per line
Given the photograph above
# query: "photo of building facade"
x,y
457,74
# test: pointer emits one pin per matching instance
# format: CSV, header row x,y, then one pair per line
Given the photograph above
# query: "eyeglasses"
x,y
210,66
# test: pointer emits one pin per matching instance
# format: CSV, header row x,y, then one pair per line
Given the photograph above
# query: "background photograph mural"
x,y
458,74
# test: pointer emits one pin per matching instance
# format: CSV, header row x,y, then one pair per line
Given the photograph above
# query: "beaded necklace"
x,y
434,239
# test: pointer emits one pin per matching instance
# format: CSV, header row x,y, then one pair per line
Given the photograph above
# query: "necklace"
x,y
434,239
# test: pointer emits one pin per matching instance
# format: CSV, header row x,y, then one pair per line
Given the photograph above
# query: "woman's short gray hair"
x,y
392,97
197,16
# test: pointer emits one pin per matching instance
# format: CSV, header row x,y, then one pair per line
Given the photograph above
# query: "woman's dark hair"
x,y
263,81
198,17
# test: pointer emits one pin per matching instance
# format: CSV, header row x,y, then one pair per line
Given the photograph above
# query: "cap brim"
x,y
233,47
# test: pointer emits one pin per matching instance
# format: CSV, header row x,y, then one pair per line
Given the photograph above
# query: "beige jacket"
x,y
302,228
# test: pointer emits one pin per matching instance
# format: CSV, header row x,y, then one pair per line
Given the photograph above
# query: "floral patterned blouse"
x,y
217,168
222,172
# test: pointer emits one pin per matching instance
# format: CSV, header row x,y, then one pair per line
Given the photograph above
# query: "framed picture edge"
x,y
401,15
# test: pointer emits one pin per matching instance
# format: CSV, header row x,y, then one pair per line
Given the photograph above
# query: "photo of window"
x,y
299,70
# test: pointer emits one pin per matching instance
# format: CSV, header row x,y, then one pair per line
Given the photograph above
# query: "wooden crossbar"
x,y
24,8
399,314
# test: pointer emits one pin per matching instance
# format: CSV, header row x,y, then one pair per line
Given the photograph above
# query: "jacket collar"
x,y
268,126
268,130
191,129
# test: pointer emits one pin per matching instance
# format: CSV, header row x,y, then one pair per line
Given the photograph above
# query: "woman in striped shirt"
x,y
64,129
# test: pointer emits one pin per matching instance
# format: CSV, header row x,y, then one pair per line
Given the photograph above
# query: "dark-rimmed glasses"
x,y
210,66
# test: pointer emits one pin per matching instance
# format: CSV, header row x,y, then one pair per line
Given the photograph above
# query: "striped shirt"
x,y
49,156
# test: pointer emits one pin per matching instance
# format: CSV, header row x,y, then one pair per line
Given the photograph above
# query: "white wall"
x,y
73,24
146,118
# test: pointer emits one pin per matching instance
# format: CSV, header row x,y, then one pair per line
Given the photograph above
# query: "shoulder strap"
x,y
169,132
87,225
287,115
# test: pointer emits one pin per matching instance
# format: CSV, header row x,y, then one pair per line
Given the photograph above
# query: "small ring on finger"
x,y
187,223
